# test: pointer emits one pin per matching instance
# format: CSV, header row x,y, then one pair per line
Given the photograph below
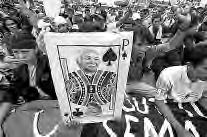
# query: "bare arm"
x,y
33,19
167,113
123,19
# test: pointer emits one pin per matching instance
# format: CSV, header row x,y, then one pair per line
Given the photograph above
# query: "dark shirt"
x,y
20,85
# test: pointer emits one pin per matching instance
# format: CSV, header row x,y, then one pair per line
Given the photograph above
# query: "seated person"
x,y
182,93
29,80
156,29
33,69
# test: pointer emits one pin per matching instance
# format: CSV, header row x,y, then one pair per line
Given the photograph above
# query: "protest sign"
x,y
89,73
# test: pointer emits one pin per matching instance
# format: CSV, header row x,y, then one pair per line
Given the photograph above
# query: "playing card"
x,y
89,73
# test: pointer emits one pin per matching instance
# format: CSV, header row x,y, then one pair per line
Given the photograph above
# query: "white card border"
x,y
62,39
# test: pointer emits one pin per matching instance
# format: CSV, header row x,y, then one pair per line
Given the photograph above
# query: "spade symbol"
x,y
77,112
124,55
109,56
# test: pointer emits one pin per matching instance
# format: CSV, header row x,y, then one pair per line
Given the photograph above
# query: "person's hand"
x,y
45,97
12,60
71,129
184,133
74,124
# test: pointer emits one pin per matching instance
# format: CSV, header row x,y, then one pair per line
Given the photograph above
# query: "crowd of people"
x,y
169,52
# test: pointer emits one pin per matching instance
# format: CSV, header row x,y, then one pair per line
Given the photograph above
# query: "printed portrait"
x,y
90,77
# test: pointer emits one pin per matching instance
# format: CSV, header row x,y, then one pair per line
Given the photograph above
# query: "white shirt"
x,y
173,83
32,75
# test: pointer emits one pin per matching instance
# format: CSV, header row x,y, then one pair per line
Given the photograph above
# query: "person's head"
x,y
156,20
87,12
12,12
196,59
200,10
120,13
61,24
11,24
25,50
144,13
186,9
62,28
6,7
193,11
89,61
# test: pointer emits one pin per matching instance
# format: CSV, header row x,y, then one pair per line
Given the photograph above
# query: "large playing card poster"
x,y
89,72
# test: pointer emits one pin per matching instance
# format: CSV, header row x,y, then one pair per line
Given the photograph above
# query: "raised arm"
x,y
181,17
33,18
124,18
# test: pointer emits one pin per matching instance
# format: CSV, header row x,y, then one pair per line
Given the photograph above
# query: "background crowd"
x,y
164,36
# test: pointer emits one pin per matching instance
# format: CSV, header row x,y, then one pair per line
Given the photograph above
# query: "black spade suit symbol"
x,y
77,112
124,55
109,56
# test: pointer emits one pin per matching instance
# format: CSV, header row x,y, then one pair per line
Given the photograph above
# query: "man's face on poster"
x,y
89,61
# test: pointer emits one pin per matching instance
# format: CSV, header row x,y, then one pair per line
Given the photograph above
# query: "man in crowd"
x,y
184,90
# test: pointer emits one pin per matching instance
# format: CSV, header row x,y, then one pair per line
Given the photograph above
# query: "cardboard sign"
x,y
89,72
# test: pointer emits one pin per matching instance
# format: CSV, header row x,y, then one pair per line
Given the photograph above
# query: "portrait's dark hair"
x,y
196,55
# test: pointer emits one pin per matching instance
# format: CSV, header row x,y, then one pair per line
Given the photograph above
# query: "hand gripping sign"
x,y
89,72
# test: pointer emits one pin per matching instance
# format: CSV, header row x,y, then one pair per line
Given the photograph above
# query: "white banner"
x,y
52,7
90,73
